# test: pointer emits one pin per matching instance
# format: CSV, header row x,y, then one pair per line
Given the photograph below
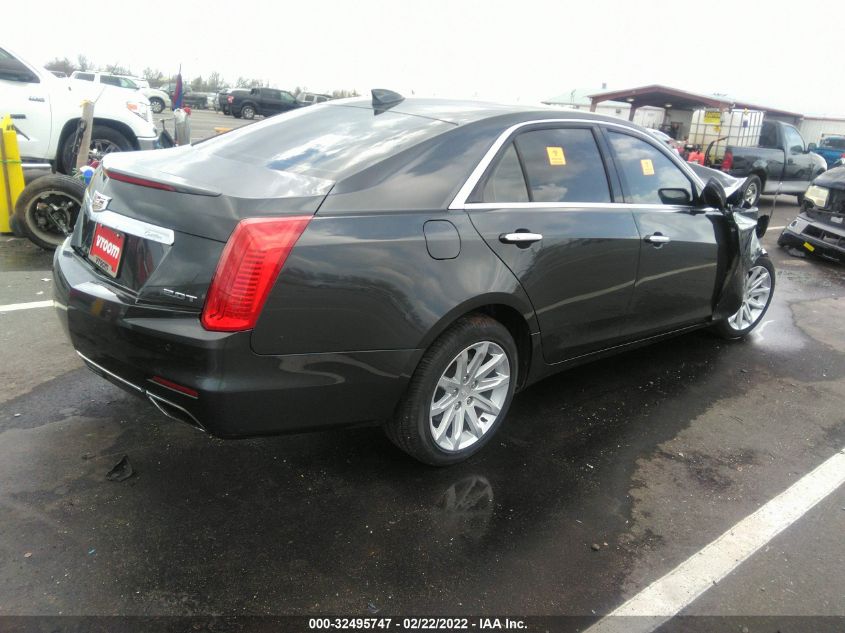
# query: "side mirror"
x,y
812,147
679,197
713,195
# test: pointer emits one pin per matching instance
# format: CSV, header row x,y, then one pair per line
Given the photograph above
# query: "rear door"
x,y
679,249
546,207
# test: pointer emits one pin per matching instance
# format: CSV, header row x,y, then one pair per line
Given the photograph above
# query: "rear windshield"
x,y
324,141
834,142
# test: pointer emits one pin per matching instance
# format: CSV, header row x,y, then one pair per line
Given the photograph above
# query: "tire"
x,y
236,114
736,326
800,197
753,189
414,425
105,138
157,105
248,112
46,198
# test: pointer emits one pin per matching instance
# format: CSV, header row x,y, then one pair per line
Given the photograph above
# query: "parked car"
x,y
226,97
830,148
158,98
414,269
191,99
780,163
820,227
310,98
260,101
46,111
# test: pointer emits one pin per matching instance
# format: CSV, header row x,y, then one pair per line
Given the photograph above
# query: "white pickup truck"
x,y
46,110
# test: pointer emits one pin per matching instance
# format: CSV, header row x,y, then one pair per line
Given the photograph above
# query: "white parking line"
x,y
12,307
669,595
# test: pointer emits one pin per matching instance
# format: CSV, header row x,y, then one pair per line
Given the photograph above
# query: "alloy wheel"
x,y
100,147
469,396
758,289
750,196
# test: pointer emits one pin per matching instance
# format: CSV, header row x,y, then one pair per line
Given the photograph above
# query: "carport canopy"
x,y
666,97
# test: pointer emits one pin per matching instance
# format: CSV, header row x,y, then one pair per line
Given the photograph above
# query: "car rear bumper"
x,y
824,240
238,393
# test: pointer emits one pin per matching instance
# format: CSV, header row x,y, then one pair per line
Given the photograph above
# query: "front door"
x,y
799,163
23,96
546,208
679,249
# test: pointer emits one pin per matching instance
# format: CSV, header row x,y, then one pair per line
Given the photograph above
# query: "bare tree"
x,y
63,65
154,76
83,63
117,69
214,83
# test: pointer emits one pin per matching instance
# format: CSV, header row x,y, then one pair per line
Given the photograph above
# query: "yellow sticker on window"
x,y
648,167
556,156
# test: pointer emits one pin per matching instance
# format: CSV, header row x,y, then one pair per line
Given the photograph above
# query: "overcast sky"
x,y
775,53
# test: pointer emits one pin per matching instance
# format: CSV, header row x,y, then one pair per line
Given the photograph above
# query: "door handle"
x,y
657,239
520,238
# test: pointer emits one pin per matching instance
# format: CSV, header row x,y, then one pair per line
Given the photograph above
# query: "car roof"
x,y
460,112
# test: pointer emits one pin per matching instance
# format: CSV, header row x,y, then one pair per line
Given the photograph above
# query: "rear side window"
x,y
324,141
84,76
506,182
646,170
563,165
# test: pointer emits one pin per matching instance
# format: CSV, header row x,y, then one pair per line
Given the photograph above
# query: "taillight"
x,y
229,99
141,182
727,161
248,268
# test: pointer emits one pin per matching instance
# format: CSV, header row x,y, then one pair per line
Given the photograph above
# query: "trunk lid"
x,y
167,243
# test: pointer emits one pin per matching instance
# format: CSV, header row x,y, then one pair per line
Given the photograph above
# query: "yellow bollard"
x,y
11,172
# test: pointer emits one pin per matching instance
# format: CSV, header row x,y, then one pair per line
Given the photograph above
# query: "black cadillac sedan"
x,y
403,261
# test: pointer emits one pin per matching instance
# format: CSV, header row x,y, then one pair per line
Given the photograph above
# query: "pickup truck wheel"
x,y
800,197
104,140
753,188
459,393
248,112
757,295
47,209
157,105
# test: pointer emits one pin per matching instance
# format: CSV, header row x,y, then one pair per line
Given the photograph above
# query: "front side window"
x,y
563,165
646,171
794,142
506,182
286,97
12,69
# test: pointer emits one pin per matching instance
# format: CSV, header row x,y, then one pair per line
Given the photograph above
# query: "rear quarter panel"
x,y
367,282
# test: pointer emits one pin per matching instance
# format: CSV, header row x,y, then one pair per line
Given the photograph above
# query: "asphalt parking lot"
x,y
603,479
203,122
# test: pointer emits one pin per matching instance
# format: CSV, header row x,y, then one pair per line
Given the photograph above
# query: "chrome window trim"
x,y
567,205
133,227
459,203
